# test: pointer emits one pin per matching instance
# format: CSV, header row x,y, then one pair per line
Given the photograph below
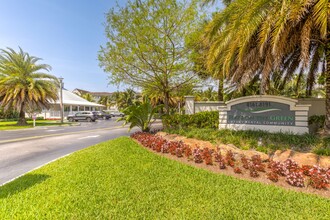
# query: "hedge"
x,y
199,120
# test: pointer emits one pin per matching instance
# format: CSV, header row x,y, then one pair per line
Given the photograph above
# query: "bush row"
x,y
295,175
199,120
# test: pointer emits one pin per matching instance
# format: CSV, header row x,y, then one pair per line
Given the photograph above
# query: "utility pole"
x,y
61,97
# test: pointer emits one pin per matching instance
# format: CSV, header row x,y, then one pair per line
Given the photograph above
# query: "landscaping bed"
x,y
119,179
259,140
252,165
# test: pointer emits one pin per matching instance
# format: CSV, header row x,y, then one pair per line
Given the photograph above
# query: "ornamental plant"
x,y
291,165
217,155
272,176
245,162
187,151
197,153
179,151
257,163
278,168
253,170
237,170
306,169
319,177
295,178
140,115
207,156
230,158
222,163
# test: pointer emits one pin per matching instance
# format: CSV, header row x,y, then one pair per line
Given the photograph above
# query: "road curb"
x,y
44,164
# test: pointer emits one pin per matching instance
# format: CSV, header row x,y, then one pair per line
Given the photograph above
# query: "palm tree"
x,y
105,100
88,97
126,98
260,37
23,85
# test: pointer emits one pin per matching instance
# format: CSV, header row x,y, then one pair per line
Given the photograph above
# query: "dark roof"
x,y
101,93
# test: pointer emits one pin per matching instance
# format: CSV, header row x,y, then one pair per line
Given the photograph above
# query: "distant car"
x,y
117,114
102,114
82,116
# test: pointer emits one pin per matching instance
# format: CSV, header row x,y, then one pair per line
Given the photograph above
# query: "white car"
x,y
117,114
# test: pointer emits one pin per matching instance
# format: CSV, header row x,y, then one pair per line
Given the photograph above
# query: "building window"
x,y
74,108
66,108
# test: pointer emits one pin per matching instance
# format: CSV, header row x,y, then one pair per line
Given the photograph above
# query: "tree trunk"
x,y
264,86
21,120
220,90
327,82
167,102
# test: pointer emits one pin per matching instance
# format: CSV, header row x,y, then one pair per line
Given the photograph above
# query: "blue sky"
x,y
66,34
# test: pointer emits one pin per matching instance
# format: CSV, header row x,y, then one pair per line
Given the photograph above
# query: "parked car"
x,y
102,114
85,116
117,114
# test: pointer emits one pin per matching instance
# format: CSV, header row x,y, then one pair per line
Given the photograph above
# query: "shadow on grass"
x,y
21,184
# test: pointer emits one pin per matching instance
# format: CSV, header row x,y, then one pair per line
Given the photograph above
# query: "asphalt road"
x,y
24,150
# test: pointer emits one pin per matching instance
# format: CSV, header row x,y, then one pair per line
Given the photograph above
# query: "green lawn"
x,y
121,180
11,125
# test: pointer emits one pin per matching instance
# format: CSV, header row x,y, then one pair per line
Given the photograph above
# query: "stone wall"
x,y
317,105
207,106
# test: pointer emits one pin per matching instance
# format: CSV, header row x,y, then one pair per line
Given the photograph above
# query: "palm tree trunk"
x,y
220,89
21,120
327,82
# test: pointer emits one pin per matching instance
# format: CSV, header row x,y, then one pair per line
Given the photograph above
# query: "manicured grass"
x,y
270,142
11,125
121,180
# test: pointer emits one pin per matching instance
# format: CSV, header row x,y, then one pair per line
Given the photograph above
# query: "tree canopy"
x,y
146,45
23,85
262,37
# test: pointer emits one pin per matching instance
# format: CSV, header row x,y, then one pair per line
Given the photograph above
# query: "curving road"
x,y
24,150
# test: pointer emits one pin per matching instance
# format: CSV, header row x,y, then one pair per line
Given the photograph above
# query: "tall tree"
x,y
259,37
105,100
146,45
88,97
23,85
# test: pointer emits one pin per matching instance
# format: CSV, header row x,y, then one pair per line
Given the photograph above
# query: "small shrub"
x,y
291,165
295,178
172,147
253,170
257,162
319,177
187,151
197,153
272,176
207,156
237,170
306,169
230,158
179,152
278,168
165,149
217,155
222,162
245,162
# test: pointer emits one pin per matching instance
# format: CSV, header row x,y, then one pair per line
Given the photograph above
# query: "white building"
x,y
72,103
